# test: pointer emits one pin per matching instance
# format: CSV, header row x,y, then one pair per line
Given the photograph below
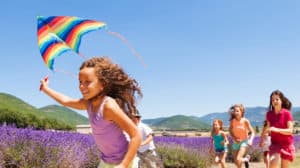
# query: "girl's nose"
x,y
81,86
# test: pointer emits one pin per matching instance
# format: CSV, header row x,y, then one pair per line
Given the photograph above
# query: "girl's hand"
x,y
44,83
250,142
273,129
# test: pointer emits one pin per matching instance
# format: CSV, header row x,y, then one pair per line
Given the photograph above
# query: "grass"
x,y
296,162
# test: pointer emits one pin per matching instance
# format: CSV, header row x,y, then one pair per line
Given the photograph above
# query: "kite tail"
x,y
65,72
135,53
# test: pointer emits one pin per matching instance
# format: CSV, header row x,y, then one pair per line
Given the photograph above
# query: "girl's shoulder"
x,y
214,135
223,132
245,120
109,102
112,110
288,114
286,110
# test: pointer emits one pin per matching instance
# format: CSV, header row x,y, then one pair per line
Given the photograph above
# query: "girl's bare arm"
x,y
226,142
284,131
114,113
64,100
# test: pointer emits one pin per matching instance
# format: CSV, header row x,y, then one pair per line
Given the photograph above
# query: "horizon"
x,y
201,56
83,113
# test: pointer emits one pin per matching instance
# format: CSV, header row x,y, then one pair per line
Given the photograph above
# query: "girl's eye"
x,y
85,83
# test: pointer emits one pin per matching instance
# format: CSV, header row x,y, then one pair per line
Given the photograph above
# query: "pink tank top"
x,y
109,138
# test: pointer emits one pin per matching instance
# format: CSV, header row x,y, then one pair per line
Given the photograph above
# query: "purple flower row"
x,y
202,144
33,148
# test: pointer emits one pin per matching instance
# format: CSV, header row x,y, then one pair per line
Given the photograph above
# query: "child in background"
x,y
280,126
239,129
266,142
108,94
148,158
219,141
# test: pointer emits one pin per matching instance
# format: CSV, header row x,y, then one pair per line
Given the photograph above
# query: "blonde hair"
x,y
231,109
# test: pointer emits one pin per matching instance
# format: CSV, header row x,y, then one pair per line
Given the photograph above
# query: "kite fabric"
x,y
58,34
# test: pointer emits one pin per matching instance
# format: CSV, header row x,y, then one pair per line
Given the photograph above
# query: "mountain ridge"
x,y
10,102
64,114
256,115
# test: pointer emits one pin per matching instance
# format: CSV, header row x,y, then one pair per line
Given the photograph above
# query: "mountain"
x,y
177,122
256,116
154,121
64,114
296,115
11,103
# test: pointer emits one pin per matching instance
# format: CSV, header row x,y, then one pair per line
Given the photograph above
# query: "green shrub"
x,y
175,156
24,120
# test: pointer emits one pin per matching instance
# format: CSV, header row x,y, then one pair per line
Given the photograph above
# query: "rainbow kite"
x,y
58,34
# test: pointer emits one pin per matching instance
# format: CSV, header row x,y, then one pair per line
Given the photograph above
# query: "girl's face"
x,y
237,112
216,125
276,101
89,84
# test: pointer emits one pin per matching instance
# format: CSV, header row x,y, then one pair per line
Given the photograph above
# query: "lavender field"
x,y
49,149
32,148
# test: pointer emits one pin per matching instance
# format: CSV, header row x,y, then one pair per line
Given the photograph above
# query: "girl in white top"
x,y
266,142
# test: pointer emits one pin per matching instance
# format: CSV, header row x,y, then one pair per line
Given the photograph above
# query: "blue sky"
x,y
201,56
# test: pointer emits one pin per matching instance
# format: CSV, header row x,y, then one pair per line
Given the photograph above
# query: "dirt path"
x,y
251,165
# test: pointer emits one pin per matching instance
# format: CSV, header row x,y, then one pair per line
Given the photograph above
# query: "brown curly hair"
x,y
117,84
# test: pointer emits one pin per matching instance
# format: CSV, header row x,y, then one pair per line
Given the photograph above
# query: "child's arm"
x,y
226,142
147,140
250,128
61,98
149,133
114,113
211,143
263,133
284,131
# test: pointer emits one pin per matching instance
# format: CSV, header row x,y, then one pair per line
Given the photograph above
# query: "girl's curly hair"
x,y
117,84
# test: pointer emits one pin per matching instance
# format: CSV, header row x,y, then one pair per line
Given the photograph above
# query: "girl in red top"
x,y
280,125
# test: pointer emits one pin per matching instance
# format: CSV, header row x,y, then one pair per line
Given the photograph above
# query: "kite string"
x,y
65,72
82,56
135,53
